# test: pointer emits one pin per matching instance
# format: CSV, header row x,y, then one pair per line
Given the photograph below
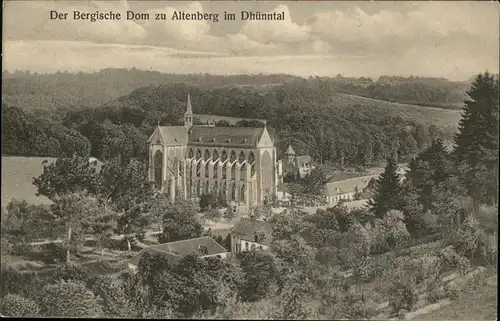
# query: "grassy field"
x,y
443,118
17,178
474,304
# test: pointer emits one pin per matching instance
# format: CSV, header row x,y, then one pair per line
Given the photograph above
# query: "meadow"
x,y
17,178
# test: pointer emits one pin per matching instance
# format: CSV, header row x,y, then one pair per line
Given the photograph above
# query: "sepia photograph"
x,y
278,160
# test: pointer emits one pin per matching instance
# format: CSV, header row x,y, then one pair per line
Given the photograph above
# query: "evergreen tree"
x,y
387,190
430,168
476,149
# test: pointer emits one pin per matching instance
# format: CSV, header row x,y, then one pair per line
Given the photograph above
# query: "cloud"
x,y
389,32
30,20
177,31
52,56
435,38
274,31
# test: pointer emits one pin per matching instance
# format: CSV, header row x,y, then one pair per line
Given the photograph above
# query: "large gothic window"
x,y
251,163
224,170
190,153
207,170
198,169
242,193
198,188
224,155
215,155
243,172
207,155
158,169
233,172
233,192
223,190
198,154
241,157
232,156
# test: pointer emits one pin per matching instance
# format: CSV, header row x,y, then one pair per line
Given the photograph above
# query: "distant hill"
x,y
69,91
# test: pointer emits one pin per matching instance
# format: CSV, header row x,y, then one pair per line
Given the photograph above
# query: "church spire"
x,y
189,109
188,115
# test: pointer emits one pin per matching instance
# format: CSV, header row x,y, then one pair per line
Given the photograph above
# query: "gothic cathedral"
x,y
237,163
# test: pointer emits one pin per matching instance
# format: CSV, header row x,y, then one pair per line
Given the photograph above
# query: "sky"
x,y
449,39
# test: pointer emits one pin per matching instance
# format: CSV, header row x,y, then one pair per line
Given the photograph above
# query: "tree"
x,y
390,232
13,305
180,222
103,225
358,248
69,299
207,201
213,214
22,222
260,272
229,213
421,136
315,183
124,185
387,190
477,140
112,297
71,271
72,214
65,176
24,283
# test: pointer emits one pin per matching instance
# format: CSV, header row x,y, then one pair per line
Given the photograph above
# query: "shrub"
x,y
25,283
356,306
472,241
69,299
71,271
14,305
56,252
436,294
450,259
452,290
111,295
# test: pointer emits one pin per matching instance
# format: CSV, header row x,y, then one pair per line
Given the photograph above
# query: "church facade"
x,y
236,163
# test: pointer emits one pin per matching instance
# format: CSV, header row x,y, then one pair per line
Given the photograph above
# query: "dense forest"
x,y
65,90
328,126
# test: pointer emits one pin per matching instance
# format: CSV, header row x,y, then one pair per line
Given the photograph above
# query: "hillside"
x,y
316,120
346,130
90,90
69,91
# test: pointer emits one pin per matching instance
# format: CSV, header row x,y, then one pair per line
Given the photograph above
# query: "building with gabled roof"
x,y
174,251
292,164
250,234
346,189
237,163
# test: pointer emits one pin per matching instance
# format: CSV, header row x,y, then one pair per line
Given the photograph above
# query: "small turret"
x,y
290,154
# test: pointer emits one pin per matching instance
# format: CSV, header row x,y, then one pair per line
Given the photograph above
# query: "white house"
x,y
174,251
346,189
250,235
